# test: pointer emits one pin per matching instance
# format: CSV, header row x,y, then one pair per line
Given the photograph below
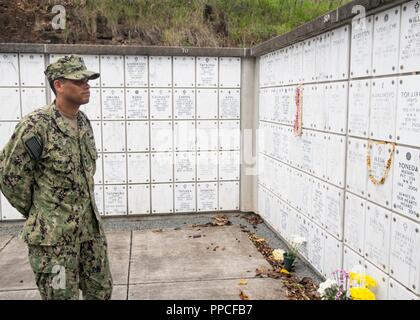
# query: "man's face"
x,y
74,91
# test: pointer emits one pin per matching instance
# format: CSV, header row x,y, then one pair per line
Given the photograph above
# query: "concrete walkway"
x,y
185,263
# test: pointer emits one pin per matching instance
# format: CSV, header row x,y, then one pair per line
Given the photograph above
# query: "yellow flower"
x,y
361,294
284,271
362,279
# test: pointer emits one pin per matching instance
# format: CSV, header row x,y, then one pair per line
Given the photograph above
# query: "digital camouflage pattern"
x,y
86,267
56,193
69,67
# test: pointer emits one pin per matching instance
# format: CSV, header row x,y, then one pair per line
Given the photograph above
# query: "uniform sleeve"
x,y
17,167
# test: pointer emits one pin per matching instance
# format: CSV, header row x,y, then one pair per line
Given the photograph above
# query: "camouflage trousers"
x,y
60,271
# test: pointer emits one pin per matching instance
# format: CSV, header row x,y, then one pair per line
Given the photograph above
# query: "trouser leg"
x,y
56,271
95,275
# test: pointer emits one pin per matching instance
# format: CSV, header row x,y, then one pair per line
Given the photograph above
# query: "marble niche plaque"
x,y
333,255
184,163
230,72
406,186
410,37
386,36
115,200
139,199
229,135
405,253
377,235
309,50
184,135
340,42
9,68
160,71
229,104
379,155
352,261
114,168
336,156
408,111
334,211
316,247
207,71
97,134
229,165
336,97
361,47
136,71
162,198
207,196
354,223
383,106
356,174
359,107
323,54
184,72
161,135
32,68
113,105
162,167
185,197
114,136
112,71
207,163
10,98
207,135
138,167
207,103
161,104
184,104
137,104
229,195
137,136
319,193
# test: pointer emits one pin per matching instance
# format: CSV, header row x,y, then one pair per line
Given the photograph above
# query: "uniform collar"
x,y
82,122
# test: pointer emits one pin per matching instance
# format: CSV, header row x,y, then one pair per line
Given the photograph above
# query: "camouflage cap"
x,y
70,67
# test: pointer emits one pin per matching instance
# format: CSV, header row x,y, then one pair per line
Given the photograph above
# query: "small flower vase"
x,y
288,262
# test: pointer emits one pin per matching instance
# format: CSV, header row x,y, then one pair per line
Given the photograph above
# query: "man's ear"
x,y
58,85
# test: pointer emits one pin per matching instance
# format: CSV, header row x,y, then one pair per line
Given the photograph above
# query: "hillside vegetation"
x,y
203,23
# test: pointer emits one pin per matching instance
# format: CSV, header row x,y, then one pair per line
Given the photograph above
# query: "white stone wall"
x,y
361,95
167,128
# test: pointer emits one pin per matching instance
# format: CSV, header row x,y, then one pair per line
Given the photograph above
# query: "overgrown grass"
x,y
200,22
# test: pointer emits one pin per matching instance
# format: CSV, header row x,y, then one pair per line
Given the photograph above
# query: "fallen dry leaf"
x,y
243,296
243,282
157,230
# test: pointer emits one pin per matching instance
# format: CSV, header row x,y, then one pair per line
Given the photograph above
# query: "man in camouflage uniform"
x,y
46,173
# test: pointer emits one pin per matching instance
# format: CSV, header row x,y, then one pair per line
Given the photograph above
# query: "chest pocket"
x,y
62,164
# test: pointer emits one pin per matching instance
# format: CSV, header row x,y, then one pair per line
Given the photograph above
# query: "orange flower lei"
x,y
387,163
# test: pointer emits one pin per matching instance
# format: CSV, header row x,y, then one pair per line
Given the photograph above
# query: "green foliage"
x,y
203,22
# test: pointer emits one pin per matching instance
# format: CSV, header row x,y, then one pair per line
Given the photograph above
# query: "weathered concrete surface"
x,y
15,271
189,263
119,255
175,255
255,289
4,240
119,293
20,295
